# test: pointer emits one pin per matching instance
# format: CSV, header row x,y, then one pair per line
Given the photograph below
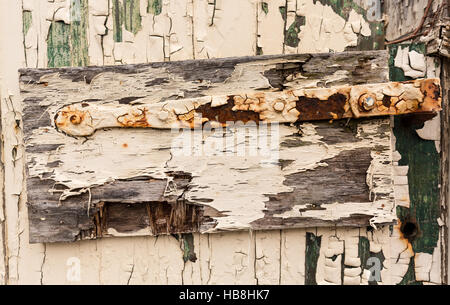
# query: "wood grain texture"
x,y
438,43
130,181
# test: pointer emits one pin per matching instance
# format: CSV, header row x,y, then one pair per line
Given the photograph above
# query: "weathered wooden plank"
x,y
160,181
439,39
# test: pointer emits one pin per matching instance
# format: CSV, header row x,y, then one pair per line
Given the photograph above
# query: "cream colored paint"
x,y
150,152
432,128
326,31
223,258
216,27
15,223
98,14
176,35
270,27
411,62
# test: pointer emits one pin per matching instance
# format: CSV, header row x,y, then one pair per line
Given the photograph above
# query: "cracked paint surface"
x,y
148,152
223,258
420,223
137,31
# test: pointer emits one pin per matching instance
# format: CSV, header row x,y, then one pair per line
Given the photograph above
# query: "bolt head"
x,y
278,106
75,119
367,101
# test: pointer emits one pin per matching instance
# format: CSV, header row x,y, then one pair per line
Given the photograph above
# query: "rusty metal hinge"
x,y
394,98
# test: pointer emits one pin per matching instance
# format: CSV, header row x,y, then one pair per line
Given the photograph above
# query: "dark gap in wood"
x,y
158,217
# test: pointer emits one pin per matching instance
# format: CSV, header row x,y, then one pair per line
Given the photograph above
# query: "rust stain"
x,y
137,118
316,109
394,100
124,145
70,115
406,242
75,119
225,113
334,116
432,95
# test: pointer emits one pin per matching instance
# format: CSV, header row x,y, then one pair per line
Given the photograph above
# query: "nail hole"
x,y
409,230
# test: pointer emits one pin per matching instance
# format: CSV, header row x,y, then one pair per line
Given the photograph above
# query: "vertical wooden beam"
x,y
445,149
418,223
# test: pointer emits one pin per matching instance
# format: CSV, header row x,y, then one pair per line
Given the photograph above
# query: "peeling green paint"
x,y
423,176
154,7
373,42
67,43
26,21
312,256
78,35
117,20
187,246
132,16
265,7
126,13
395,73
259,50
291,36
364,254
283,12
188,250
410,275
343,8
58,45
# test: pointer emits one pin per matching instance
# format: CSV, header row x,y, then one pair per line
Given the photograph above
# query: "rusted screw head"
x,y
75,119
278,106
367,102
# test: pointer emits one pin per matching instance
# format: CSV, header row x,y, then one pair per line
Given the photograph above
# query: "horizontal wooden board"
x,y
144,181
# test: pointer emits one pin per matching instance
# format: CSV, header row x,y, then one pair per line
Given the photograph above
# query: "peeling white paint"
x,y
400,255
148,153
326,31
431,129
411,62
